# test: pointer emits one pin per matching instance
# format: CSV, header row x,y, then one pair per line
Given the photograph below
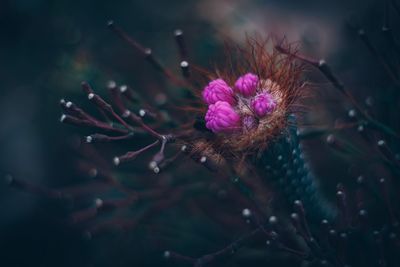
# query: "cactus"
x,y
285,164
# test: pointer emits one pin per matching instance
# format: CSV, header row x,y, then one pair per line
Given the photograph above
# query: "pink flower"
x,y
221,117
218,90
263,104
247,84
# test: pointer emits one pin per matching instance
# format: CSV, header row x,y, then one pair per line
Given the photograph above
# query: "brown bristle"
x,y
260,57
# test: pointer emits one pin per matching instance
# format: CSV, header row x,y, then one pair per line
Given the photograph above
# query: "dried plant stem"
x,y
324,68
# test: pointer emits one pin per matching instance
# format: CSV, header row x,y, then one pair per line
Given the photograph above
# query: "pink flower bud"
x,y
247,84
263,104
218,90
221,117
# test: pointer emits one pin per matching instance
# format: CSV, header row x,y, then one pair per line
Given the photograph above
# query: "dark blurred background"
x,y
48,47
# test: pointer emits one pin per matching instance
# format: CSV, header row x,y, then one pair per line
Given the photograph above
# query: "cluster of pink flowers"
x,y
224,114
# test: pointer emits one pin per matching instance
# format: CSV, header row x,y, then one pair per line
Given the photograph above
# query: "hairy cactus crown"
x,y
247,105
